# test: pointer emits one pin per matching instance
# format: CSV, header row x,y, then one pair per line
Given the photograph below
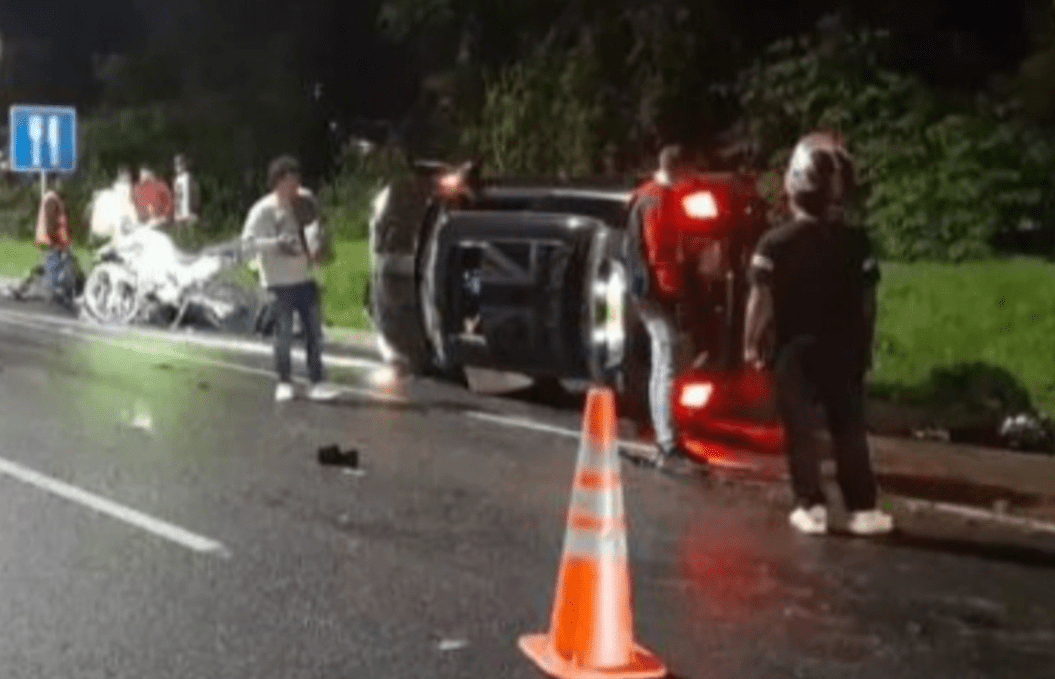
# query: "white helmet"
x,y
820,175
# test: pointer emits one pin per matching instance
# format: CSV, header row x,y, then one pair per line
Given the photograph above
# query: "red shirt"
x,y
152,196
661,237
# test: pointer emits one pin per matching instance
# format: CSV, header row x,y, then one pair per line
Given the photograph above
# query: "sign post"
x,y
43,140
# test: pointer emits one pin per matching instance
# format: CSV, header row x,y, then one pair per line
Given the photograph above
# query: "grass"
x,y
18,257
979,330
966,333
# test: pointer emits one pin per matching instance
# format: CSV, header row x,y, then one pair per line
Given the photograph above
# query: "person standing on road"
x,y
656,261
813,294
273,230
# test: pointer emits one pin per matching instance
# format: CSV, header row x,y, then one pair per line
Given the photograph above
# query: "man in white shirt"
x,y
185,192
274,233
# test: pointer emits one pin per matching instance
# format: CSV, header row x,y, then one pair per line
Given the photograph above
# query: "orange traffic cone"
x,y
591,632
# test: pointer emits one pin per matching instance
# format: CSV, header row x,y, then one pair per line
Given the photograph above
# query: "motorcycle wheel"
x,y
110,295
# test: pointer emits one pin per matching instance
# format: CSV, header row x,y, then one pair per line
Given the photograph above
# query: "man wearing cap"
x,y
813,292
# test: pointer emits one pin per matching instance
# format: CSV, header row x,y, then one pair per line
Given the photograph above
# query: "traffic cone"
x,y
591,631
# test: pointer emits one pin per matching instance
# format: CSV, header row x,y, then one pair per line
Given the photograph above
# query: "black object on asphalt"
x,y
333,456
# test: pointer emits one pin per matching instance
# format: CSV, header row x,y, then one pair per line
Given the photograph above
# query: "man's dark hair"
x,y
280,168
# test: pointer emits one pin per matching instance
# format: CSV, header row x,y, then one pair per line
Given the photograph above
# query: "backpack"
x,y
315,233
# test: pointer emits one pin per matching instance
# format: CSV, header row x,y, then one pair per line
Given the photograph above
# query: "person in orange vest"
x,y
655,257
53,237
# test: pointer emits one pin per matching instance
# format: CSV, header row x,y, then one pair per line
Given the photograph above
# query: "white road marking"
x,y
978,514
242,346
130,516
201,360
644,448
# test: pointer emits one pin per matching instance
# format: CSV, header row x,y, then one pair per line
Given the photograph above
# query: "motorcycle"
x,y
142,277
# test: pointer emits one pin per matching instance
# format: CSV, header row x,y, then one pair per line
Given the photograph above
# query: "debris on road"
x,y
139,418
447,645
333,456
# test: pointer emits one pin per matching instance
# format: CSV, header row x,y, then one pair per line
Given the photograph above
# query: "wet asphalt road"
x,y
439,553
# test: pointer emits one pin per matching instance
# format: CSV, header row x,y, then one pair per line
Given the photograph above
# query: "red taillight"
x,y
450,183
700,205
696,395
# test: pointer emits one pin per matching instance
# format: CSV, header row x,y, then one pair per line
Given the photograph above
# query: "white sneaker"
x,y
871,522
812,521
323,392
284,392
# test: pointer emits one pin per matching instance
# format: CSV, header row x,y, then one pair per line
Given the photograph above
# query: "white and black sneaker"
x,y
322,391
284,392
871,522
810,520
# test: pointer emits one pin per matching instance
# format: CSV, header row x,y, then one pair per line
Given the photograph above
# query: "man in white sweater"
x,y
274,233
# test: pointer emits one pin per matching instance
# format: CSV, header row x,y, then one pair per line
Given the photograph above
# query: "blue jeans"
x,y
663,336
304,299
58,273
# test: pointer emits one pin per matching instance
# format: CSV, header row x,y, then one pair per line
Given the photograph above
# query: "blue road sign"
x,y
43,139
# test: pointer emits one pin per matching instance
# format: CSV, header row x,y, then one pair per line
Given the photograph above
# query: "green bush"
x,y
346,198
227,166
940,178
18,208
542,116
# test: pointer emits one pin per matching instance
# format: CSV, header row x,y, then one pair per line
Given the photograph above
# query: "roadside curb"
x,y
351,338
361,341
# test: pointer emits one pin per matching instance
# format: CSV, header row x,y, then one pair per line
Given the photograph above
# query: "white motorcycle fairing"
x,y
146,265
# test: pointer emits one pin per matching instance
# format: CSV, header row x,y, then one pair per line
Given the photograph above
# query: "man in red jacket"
x,y
656,258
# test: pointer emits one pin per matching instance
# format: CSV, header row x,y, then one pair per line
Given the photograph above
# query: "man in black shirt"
x,y
813,291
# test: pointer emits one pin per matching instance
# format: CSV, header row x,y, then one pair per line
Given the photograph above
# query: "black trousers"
x,y
804,376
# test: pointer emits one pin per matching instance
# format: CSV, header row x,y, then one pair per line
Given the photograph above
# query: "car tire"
x,y
394,290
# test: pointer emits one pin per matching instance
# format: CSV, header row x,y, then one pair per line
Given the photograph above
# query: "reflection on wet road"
x,y
442,549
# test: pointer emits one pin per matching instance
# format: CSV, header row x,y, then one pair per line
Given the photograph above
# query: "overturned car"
x,y
531,277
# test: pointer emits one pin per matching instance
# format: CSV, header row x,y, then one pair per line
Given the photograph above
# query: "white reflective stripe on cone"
x,y
598,460
583,543
604,505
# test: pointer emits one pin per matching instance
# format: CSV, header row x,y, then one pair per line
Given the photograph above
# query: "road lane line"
x,y
365,393
157,527
646,449
968,512
245,347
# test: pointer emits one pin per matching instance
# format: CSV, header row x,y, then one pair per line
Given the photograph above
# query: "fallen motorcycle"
x,y
142,277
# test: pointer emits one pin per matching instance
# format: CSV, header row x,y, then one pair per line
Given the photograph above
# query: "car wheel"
x,y
110,295
396,240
